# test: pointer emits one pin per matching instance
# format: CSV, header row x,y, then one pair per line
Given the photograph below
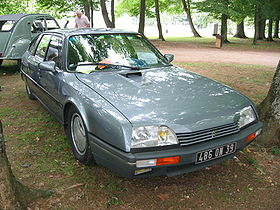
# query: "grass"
x,y
275,150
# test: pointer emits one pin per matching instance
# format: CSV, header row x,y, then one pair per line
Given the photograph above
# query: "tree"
x,y
240,33
219,9
13,6
14,195
109,23
142,9
160,35
269,111
276,29
187,8
269,36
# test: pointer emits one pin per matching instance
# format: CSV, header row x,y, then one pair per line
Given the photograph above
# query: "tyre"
x,y
1,61
29,93
78,136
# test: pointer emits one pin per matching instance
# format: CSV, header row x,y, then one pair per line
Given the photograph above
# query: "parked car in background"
x,y
124,105
17,31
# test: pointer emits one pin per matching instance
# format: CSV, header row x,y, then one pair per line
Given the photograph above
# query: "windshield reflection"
x,y
118,49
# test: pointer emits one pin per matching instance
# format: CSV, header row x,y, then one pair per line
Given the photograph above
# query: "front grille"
x,y
186,139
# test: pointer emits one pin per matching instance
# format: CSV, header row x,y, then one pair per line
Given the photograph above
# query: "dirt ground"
x,y
41,158
189,52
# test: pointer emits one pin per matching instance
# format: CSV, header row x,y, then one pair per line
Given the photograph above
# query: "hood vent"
x,y
131,74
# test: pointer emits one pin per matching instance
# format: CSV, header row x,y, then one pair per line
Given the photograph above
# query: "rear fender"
x,y
17,49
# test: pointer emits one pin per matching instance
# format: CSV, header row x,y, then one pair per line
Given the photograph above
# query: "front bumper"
x,y
124,163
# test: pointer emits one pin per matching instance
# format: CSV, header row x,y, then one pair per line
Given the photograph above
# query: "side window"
x,y
33,45
42,46
38,25
54,50
51,24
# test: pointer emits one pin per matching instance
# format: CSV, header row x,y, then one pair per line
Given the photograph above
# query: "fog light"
x,y
145,163
1,54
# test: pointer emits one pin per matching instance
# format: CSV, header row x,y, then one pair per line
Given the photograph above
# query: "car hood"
x,y
168,96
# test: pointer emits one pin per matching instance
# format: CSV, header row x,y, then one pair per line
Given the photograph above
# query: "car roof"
x,y
16,17
78,31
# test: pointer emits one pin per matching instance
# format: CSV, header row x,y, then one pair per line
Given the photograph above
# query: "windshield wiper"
x,y
118,66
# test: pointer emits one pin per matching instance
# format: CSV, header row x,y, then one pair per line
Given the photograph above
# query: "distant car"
x,y
126,107
17,31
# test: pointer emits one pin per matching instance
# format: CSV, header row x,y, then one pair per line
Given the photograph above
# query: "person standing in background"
x,y
81,20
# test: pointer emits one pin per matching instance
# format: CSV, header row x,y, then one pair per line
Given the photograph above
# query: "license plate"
x,y
215,153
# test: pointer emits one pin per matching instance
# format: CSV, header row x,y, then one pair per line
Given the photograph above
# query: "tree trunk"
x,y
87,9
262,29
105,15
269,36
187,9
13,195
224,28
276,29
160,35
142,16
269,111
256,24
240,33
113,13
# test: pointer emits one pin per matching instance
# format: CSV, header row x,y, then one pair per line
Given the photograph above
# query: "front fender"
x,y
101,118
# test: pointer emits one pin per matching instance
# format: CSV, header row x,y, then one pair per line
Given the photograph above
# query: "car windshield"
x,y
6,25
86,51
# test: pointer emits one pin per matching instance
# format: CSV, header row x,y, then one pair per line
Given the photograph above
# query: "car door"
x,y
33,62
50,81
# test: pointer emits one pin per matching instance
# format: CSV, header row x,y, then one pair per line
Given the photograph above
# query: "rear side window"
x,y
51,24
38,25
6,25
42,46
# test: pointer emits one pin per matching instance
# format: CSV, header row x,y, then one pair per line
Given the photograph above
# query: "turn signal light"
x,y
168,160
251,137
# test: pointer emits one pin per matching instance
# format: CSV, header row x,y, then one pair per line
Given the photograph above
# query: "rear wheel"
x,y
78,136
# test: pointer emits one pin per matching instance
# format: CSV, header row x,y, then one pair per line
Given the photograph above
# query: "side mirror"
x,y
47,66
169,57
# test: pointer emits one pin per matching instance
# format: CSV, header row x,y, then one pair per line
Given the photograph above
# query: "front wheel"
x,y
78,136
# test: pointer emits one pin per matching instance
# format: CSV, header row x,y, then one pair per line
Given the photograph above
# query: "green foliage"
x,y
13,6
131,7
275,150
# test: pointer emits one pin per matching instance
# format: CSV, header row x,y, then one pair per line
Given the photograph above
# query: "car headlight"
x,y
152,136
247,115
